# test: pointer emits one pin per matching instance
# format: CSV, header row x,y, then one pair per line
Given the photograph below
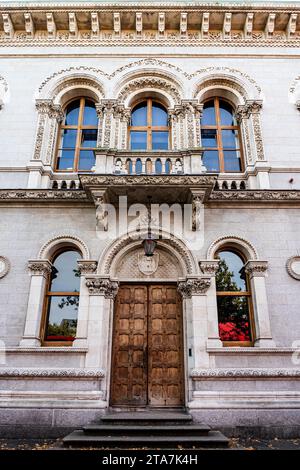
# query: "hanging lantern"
x,y
149,246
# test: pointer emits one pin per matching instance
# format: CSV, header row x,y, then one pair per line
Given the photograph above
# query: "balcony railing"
x,y
148,165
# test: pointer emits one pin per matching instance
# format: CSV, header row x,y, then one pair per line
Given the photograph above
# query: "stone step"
x,y
81,439
149,430
145,417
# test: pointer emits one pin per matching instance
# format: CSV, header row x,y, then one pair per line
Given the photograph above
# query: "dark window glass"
x,y
232,160
72,113
159,115
160,140
90,117
86,159
139,115
211,160
138,140
65,159
209,138
89,138
65,276
138,167
208,115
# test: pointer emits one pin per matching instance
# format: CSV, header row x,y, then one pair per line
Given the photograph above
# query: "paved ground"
x,y
244,444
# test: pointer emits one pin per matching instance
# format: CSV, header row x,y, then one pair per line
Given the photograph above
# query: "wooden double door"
x,y
147,355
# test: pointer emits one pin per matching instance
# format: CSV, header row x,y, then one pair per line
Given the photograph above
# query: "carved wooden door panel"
x,y
147,347
165,370
129,358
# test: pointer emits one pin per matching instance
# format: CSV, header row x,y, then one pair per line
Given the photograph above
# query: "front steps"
x,y
146,429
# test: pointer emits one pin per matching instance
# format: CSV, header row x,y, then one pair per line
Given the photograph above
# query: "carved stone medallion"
x,y
293,267
4,266
148,264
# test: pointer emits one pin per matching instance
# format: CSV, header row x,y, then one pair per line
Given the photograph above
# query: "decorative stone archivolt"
x,y
58,241
102,286
293,267
39,267
193,286
235,241
168,241
4,266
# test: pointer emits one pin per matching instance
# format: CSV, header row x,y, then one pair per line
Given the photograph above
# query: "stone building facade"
x,y
161,330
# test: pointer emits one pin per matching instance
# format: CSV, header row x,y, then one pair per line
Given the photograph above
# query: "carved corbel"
x,y
102,286
87,266
256,268
39,267
209,267
193,286
198,197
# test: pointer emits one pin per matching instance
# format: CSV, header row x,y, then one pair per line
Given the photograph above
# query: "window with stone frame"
x,y
235,317
221,139
77,138
149,128
62,298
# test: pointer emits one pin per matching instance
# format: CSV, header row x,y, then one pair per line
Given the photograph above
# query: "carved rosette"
x,y
193,286
87,266
256,268
39,267
209,267
102,286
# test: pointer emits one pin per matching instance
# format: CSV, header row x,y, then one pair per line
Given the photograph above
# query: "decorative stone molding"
x,y
102,286
68,72
153,82
147,180
256,268
87,266
4,266
193,286
260,373
51,373
209,267
233,240
66,239
39,267
277,196
293,267
38,195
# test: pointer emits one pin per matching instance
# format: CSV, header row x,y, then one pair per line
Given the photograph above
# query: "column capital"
x,y
193,286
49,108
105,286
87,266
39,267
209,267
256,268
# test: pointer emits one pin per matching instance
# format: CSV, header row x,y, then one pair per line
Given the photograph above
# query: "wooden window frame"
x,y
47,296
79,128
219,128
247,294
149,128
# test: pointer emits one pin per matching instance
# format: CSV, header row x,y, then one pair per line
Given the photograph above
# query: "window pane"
x,y
159,115
226,114
86,160
65,275
209,115
72,113
68,137
230,139
232,160
138,140
139,115
233,314
90,116
65,159
160,140
231,275
89,138
209,138
211,160
62,318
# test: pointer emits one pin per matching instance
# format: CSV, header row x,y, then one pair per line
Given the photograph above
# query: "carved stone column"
x,y
86,267
209,268
187,116
102,291
49,115
39,270
107,109
193,291
257,271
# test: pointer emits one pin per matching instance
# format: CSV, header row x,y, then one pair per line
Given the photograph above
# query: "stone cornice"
x,y
42,195
45,373
199,374
211,24
268,195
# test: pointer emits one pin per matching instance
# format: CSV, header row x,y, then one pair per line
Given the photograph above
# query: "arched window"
x,y
220,136
149,126
234,300
62,298
78,136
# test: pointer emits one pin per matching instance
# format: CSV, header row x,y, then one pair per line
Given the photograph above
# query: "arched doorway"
x,y
147,365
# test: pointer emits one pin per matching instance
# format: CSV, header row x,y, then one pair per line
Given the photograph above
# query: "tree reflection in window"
x,y
233,299
62,299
